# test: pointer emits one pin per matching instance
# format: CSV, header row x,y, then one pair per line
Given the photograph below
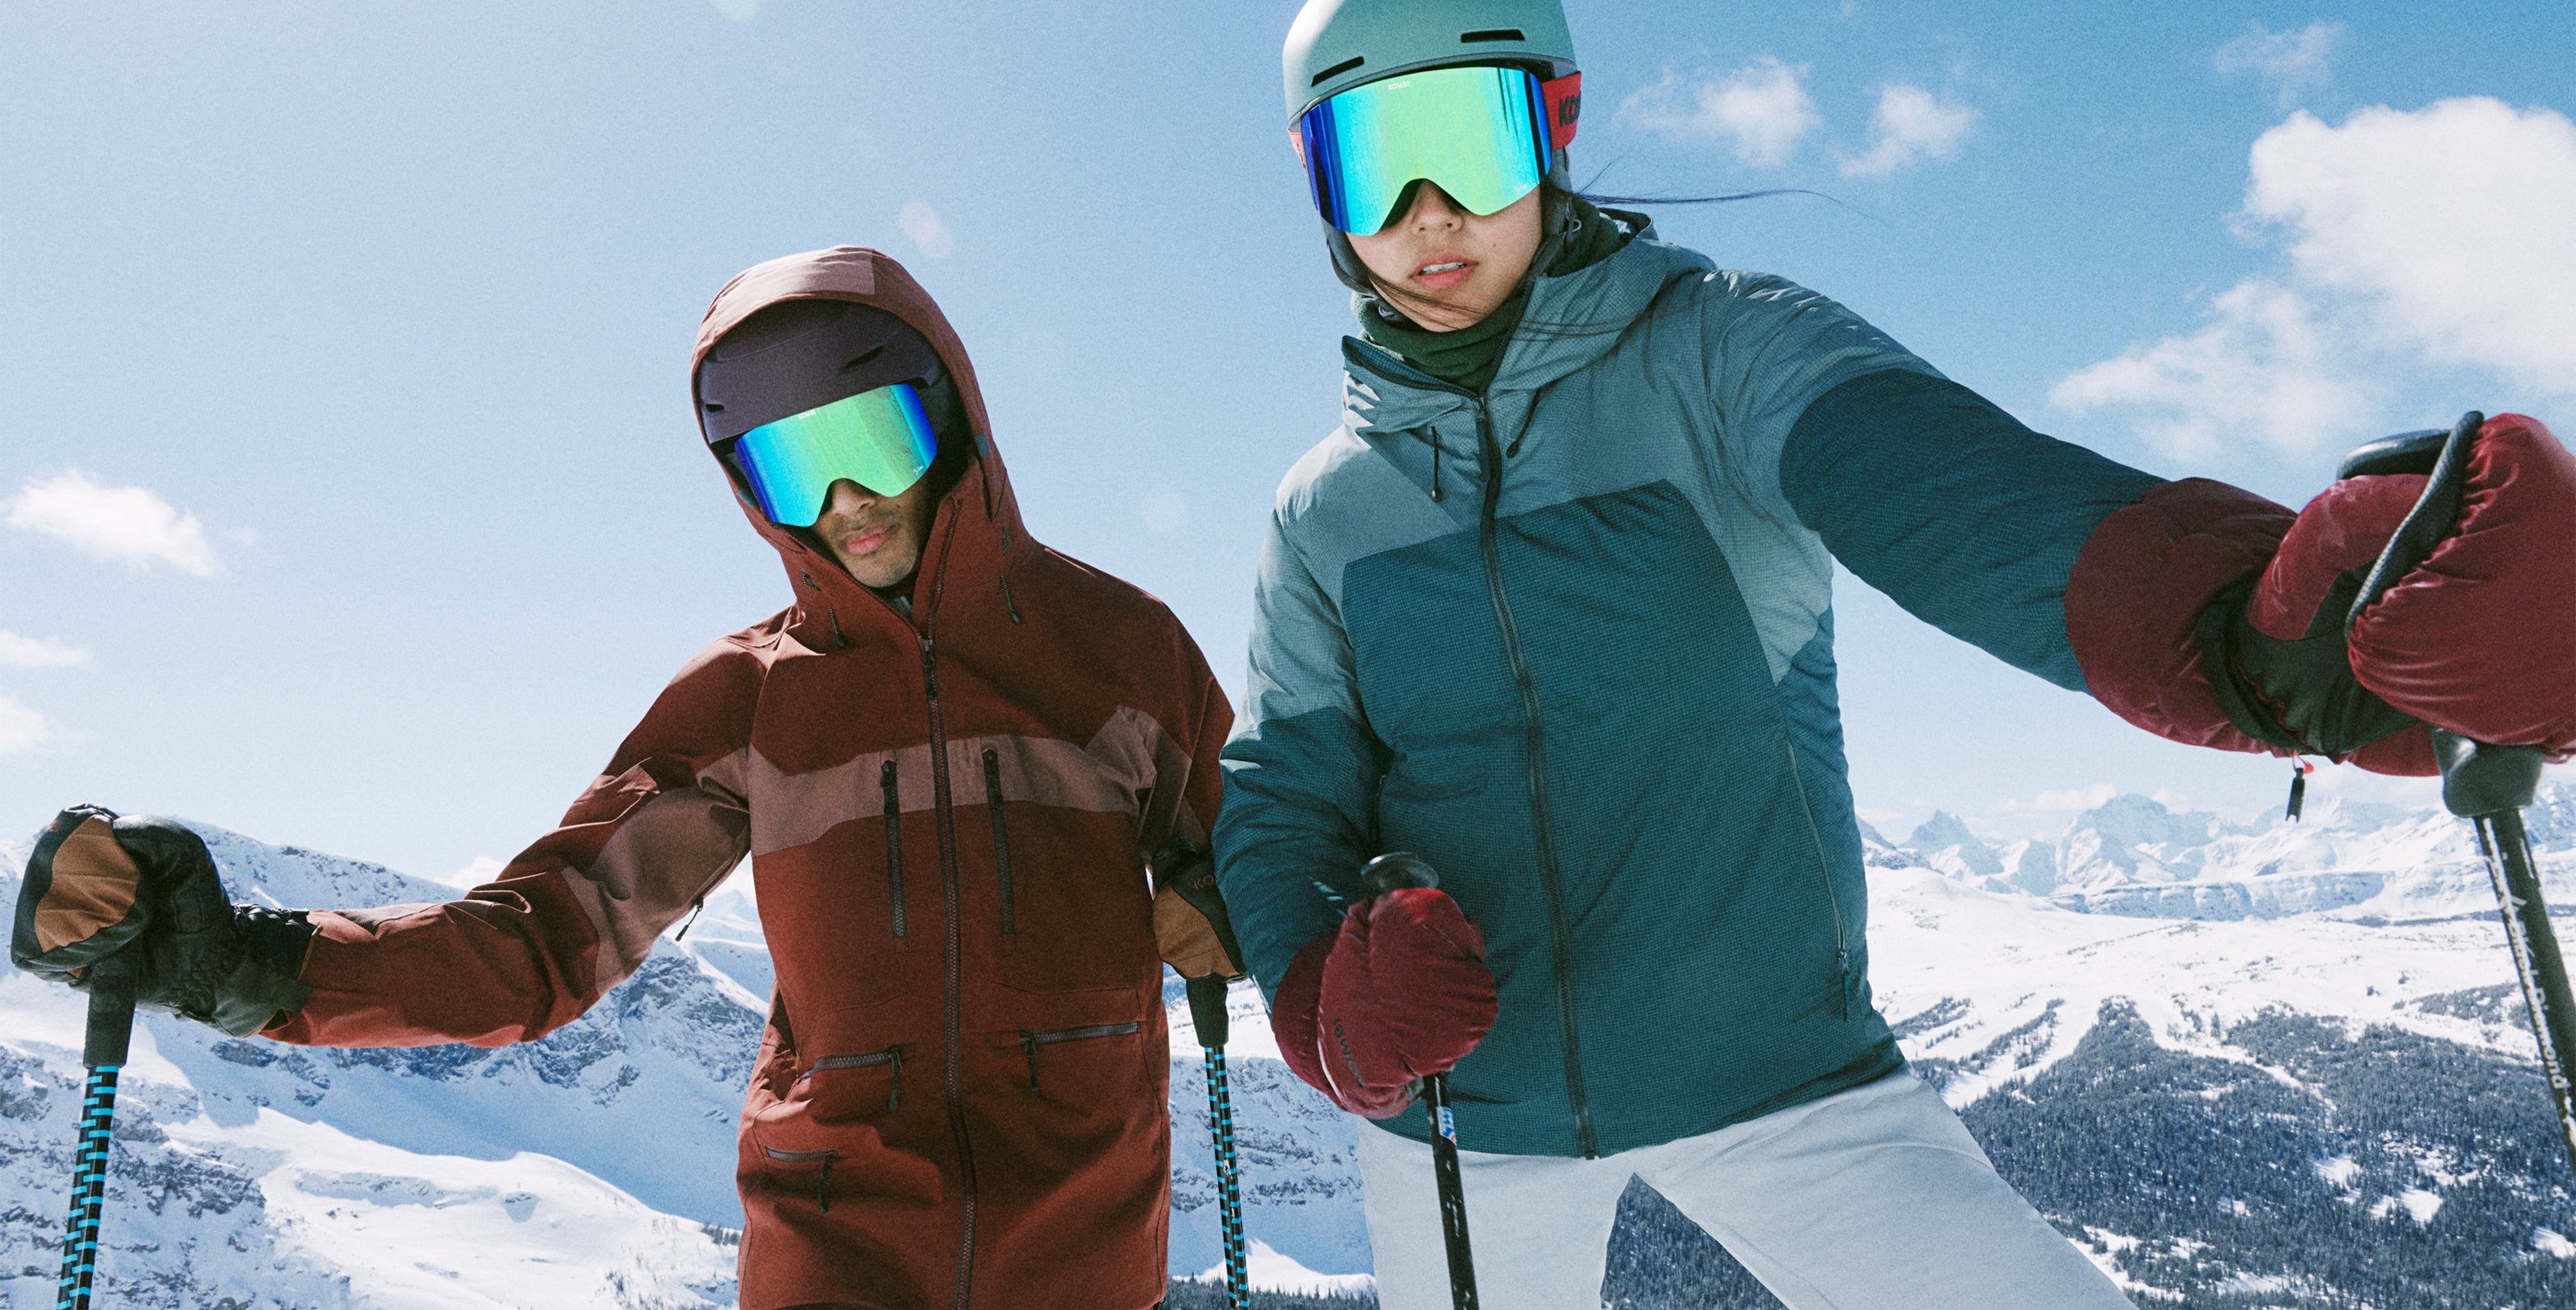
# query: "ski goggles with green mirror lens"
x,y
880,439
1483,133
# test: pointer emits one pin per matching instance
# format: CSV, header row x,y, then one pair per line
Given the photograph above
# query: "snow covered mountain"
x,y
2243,1063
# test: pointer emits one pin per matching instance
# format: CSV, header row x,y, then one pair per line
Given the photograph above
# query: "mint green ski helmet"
x,y
1338,44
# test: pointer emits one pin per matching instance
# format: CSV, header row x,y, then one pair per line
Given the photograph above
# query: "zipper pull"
x,y
1029,1048
698,907
894,1101
929,668
823,1200
2299,771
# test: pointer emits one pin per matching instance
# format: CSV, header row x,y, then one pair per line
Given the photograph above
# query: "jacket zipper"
x,y
1833,902
954,1080
1490,455
894,842
1001,837
1030,1041
822,1199
892,1055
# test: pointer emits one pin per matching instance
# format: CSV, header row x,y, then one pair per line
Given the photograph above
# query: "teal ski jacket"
x,y
1571,639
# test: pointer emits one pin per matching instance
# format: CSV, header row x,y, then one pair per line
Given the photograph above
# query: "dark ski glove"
x,y
99,885
1190,923
1400,991
2478,637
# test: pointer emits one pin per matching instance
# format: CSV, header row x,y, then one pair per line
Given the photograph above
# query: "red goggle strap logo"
x,y
1564,99
1564,107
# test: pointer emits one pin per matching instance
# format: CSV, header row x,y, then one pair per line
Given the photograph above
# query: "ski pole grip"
x,y
1207,1009
110,1034
1398,869
2478,779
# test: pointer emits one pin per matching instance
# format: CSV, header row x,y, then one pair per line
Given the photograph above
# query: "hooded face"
x,y
800,356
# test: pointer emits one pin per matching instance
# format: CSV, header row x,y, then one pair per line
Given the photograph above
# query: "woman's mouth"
x,y
1442,274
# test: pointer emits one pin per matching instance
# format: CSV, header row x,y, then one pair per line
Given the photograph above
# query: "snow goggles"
x,y
1483,133
880,439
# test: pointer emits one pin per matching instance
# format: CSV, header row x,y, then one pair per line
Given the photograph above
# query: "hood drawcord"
x,y
837,638
1007,603
1434,438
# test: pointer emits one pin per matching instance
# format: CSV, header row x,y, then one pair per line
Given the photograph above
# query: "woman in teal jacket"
x,y
1551,609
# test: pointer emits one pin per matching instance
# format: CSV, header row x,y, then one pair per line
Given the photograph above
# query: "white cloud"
x,y
2455,225
2068,801
923,224
23,729
18,652
2437,237
2293,62
1911,124
740,11
1165,511
483,869
2264,364
1761,110
133,525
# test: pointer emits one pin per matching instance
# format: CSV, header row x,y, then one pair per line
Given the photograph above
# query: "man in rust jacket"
x,y
948,761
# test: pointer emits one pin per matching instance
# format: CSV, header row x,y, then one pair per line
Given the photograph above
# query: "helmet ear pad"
x,y
800,354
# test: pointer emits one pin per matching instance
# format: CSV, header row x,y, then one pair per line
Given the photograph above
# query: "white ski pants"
x,y
1870,1199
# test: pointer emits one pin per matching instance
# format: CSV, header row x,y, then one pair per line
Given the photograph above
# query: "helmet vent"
x,y
1492,34
1338,69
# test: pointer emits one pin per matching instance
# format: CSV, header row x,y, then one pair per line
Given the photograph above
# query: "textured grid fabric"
x,y
1635,787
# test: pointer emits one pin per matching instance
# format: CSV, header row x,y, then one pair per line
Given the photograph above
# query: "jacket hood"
x,y
977,521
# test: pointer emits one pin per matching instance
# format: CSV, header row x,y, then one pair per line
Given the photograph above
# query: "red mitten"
x,y
1398,992
2481,638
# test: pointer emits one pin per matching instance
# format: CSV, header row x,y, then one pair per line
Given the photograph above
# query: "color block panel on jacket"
x,y
1692,879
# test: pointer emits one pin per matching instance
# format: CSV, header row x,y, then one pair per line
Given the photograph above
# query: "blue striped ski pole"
x,y
1207,1014
103,1049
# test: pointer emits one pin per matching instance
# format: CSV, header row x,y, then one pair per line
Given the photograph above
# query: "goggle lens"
x,y
879,439
1479,133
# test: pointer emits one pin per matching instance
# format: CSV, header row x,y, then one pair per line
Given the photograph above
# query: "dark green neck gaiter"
x,y
1468,356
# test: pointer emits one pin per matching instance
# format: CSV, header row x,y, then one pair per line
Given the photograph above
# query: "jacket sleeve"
x,y
2054,559
574,914
1300,773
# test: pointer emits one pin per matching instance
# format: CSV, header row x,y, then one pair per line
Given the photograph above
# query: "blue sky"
x,y
352,498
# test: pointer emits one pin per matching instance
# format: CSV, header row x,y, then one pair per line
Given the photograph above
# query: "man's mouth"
x,y
861,540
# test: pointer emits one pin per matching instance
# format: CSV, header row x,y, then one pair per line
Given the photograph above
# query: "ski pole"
x,y
1207,1014
1189,872
1384,874
2489,786
2486,784
103,1049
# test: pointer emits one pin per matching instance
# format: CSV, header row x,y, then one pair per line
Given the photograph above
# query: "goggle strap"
x,y
1564,108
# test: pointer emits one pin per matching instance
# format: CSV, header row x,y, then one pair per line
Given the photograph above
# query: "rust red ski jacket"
x,y
960,1100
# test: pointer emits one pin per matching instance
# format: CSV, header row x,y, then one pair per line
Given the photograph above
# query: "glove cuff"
x,y
262,987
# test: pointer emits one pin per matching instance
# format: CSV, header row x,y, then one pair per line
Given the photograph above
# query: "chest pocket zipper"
x,y
1001,838
1030,1041
892,1055
894,842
